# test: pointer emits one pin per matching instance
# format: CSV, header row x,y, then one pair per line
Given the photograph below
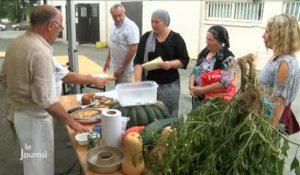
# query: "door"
x,y
94,34
83,25
87,27
134,11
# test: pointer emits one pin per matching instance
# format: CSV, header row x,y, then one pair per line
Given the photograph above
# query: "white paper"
x,y
112,128
152,65
101,75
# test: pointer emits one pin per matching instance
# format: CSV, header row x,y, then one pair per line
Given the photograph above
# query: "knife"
x,y
81,107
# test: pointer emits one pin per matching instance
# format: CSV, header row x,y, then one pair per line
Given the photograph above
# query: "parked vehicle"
x,y
24,25
2,27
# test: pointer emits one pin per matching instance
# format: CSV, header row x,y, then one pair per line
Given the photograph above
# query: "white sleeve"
x,y
60,70
133,34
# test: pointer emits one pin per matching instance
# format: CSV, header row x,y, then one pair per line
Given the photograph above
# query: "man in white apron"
x,y
28,74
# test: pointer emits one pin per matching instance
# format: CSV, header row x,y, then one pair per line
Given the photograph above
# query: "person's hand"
x,y
191,88
76,126
106,66
119,72
166,65
100,82
195,91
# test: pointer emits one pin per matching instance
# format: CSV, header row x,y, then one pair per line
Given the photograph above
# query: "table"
x,y
85,65
68,102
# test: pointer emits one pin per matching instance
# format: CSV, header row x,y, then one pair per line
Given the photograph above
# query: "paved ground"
x,y
64,154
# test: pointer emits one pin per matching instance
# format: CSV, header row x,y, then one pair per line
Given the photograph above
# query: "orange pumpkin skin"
x,y
132,129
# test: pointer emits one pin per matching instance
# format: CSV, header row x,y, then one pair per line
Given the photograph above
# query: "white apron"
x,y
36,139
34,128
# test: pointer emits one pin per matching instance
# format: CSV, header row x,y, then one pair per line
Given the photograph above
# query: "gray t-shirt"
x,y
268,78
120,38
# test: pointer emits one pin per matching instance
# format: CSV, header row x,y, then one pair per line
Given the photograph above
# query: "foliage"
x,y
226,138
16,10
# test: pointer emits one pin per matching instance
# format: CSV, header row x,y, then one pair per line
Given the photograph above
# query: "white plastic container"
x,y
137,93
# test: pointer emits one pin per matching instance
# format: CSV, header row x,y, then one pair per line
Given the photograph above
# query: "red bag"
x,y
215,76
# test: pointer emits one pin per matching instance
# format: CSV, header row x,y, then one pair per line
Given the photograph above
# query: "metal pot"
x,y
105,159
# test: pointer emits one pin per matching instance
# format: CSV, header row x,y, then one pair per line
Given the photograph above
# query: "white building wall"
x,y
188,19
246,37
185,20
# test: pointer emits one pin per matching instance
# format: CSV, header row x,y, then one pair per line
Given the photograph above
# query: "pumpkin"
x,y
143,115
158,151
132,129
133,162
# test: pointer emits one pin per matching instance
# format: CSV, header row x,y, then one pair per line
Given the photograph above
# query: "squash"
x,y
132,129
133,162
155,128
143,115
157,153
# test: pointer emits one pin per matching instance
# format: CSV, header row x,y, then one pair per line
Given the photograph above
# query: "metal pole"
x,y
72,50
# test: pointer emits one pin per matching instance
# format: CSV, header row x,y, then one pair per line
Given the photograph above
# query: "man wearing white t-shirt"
x,y
62,75
124,39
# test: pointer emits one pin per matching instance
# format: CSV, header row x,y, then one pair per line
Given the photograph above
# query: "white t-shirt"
x,y
120,38
60,73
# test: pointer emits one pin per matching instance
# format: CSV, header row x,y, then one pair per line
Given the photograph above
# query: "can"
x,y
98,129
93,140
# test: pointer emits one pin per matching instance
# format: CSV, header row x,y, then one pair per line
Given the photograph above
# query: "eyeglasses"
x,y
56,22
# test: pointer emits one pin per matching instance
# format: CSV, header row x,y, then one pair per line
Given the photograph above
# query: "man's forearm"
x,y
130,54
108,58
58,112
76,78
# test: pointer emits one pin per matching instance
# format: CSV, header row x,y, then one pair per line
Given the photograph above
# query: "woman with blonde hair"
x,y
280,77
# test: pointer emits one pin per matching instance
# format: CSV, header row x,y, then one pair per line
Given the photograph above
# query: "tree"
x,y
16,10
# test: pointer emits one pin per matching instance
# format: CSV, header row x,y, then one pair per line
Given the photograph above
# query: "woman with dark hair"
x,y
215,60
170,46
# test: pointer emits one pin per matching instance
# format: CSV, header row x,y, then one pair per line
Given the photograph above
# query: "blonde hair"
x,y
284,34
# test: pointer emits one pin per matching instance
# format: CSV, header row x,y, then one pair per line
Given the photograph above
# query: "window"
x,y
235,11
292,8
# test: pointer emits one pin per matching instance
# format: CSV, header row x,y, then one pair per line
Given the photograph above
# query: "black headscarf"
x,y
220,34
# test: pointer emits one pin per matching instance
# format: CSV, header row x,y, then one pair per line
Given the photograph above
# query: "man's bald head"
x,y
42,14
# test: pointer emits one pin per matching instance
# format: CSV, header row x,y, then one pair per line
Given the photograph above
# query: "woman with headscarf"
x,y
170,46
280,78
215,56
